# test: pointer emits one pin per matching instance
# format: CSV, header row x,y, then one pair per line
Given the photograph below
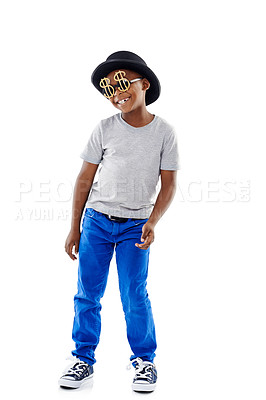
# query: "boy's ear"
x,y
145,84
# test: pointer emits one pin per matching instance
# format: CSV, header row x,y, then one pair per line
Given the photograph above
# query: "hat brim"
x,y
106,67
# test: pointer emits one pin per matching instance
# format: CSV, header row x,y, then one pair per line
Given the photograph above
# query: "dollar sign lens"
x,y
109,90
124,83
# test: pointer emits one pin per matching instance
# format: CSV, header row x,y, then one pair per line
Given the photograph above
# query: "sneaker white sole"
x,y
143,387
72,384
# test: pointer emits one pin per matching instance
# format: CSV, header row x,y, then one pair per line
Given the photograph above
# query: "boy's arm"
x,y
82,188
163,201
165,196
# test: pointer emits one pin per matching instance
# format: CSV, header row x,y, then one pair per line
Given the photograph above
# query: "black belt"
x,y
118,219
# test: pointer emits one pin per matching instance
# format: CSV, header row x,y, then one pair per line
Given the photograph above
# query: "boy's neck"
x,y
138,118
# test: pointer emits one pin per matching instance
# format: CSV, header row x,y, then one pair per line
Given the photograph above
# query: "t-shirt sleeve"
x,y
169,153
93,151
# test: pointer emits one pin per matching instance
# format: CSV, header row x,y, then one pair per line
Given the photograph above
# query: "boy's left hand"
x,y
147,236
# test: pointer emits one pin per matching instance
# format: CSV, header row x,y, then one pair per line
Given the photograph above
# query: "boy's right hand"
x,y
71,241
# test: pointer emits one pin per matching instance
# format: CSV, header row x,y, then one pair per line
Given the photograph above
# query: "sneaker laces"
x,y
143,369
77,368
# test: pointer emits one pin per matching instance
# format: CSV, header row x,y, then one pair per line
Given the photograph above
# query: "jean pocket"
x,y
89,212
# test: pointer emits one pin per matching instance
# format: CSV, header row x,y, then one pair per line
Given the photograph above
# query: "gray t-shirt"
x,y
131,159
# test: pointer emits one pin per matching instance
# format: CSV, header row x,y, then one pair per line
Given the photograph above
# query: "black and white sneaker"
x,y
76,374
145,376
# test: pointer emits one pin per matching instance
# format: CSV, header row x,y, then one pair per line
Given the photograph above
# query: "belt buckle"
x,y
119,219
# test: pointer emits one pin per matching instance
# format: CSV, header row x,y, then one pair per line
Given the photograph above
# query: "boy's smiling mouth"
x,y
123,101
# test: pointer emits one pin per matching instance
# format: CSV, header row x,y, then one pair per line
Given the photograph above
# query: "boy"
x,y
134,147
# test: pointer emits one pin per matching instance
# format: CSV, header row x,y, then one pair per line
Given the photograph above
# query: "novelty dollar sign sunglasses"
x,y
123,84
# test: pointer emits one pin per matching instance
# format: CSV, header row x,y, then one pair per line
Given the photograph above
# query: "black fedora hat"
x,y
131,61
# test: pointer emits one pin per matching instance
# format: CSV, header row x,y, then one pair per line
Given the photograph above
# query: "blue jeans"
x,y
99,237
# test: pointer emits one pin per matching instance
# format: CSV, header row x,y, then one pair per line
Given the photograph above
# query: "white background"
x,y
207,264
